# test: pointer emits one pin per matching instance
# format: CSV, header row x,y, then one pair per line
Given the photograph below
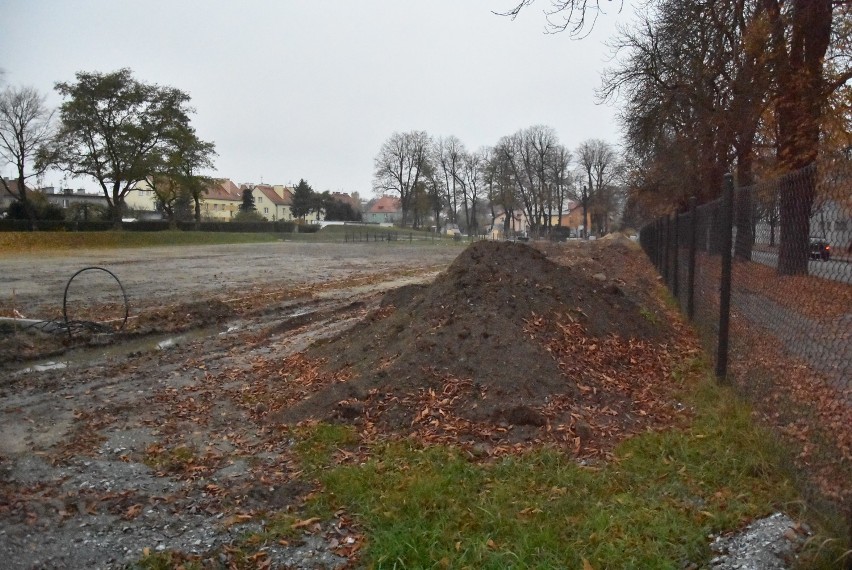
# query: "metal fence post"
x,y
666,239
725,241
676,256
690,268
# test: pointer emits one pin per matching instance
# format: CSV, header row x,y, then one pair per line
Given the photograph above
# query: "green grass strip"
x,y
31,242
37,242
653,507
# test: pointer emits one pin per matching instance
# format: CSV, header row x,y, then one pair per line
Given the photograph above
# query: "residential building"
x,y
222,199
142,201
347,199
385,210
508,225
831,220
572,218
63,198
67,197
272,204
5,198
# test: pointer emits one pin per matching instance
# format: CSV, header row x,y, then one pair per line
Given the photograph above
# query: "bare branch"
x,y
570,15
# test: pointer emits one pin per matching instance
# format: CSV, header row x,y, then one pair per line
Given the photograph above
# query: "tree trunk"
x,y
799,109
116,205
797,196
197,213
25,202
743,211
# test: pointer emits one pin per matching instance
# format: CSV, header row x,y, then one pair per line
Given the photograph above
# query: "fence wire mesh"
x,y
788,343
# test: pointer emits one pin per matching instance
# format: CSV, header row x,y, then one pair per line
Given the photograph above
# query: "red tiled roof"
x,y
288,196
223,190
385,204
271,194
13,186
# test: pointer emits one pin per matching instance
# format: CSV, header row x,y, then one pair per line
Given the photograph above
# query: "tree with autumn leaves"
x,y
121,131
709,85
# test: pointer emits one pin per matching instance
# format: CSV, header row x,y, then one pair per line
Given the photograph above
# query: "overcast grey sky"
x,y
291,89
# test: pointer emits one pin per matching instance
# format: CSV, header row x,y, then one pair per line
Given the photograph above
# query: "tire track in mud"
x,y
80,485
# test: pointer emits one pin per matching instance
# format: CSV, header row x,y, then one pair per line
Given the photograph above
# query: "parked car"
x,y
820,249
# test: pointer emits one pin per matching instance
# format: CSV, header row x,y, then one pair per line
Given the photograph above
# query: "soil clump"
x,y
498,338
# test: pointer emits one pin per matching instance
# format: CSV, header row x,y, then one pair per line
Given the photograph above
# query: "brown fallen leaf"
x,y
304,523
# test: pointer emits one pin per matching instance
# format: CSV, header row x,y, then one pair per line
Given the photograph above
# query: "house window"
x,y
266,210
260,199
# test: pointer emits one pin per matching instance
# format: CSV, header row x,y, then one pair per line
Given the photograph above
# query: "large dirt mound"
x,y
487,338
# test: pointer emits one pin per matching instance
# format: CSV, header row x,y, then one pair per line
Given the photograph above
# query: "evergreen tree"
x,y
304,201
248,201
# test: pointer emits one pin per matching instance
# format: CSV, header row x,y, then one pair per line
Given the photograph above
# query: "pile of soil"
x,y
481,341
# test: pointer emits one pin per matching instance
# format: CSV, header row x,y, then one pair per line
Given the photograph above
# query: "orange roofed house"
x,y
222,200
385,210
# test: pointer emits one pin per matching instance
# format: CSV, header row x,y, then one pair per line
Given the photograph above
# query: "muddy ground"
x,y
178,433
89,475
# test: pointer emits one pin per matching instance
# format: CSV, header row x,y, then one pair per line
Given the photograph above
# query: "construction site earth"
x,y
220,352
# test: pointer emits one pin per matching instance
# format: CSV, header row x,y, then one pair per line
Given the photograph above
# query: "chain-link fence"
x,y
765,274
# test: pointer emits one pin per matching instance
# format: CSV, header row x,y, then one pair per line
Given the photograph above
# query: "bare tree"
x,y
561,178
572,15
447,157
701,77
400,165
26,129
695,79
501,188
544,143
801,34
597,162
472,183
527,154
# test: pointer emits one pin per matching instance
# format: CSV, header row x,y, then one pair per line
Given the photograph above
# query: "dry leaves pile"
x,y
807,408
791,357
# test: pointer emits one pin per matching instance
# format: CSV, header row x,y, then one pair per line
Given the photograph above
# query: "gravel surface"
x,y
769,543
84,475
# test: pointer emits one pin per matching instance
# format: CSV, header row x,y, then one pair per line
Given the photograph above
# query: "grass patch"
x,y
175,460
37,242
166,561
18,242
649,315
317,444
652,507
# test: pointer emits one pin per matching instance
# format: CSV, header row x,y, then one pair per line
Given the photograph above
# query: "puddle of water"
x,y
45,366
85,356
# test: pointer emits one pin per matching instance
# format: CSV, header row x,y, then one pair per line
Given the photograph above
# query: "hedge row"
x,y
157,226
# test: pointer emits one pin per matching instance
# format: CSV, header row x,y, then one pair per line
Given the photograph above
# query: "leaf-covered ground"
x,y
526,408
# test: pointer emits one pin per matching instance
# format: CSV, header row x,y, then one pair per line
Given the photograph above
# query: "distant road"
x,y
834,270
